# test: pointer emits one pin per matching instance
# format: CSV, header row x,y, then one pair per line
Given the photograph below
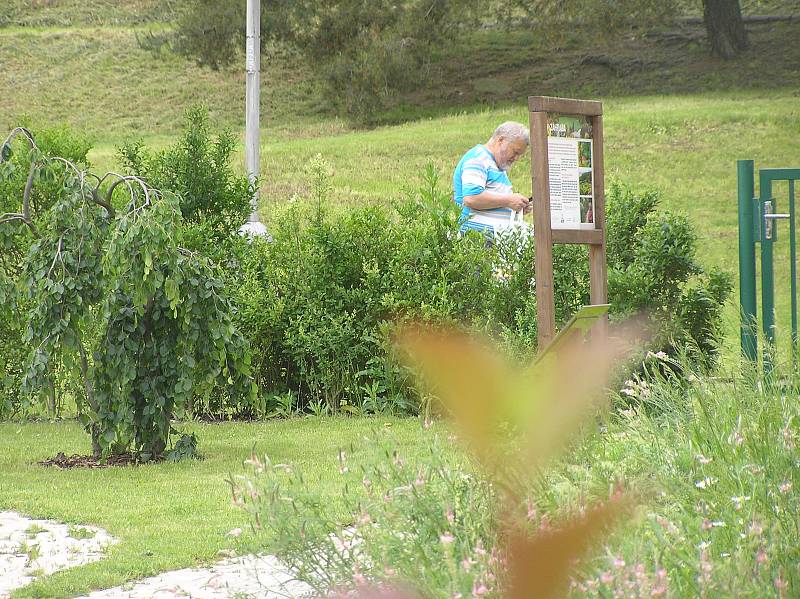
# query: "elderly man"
x,y
481,185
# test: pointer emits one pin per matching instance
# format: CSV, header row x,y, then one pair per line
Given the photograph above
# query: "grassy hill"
x,y
676,119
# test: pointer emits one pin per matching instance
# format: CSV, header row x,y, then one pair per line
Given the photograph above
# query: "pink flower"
x,y
736,438
607,577
761,556
785,487
660,586
788,437
451,517
446,538
781,585
531,511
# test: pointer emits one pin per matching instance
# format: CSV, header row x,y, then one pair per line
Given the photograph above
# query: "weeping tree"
x,y
110,294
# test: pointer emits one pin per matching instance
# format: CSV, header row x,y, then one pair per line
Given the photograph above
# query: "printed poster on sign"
x,y
569,151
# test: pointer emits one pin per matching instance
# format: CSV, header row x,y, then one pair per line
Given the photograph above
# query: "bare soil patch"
x,y
60,460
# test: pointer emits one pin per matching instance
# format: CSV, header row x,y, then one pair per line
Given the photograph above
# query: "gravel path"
x,y
31,548
263,577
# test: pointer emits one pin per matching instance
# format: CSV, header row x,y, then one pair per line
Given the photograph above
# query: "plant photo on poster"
x,y
585,154
574,126
587,210
585,182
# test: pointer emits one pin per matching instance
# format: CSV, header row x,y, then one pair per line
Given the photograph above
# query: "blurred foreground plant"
x,y
433,519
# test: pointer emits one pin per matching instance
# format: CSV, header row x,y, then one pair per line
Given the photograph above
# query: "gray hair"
x,y
512,131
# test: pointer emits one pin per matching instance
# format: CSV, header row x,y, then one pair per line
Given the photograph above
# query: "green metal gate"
x,y
757,224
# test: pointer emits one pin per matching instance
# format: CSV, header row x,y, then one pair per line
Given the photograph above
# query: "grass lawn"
x,y
166,516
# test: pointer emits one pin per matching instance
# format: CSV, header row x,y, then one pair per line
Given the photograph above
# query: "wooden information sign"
x,y
569,196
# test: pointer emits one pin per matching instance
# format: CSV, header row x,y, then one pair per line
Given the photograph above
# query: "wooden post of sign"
x,y
541,108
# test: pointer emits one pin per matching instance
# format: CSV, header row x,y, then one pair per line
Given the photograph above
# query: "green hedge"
x,y
318,303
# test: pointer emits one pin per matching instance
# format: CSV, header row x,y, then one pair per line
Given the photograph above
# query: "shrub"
x,y
653,270
318,302
113,299
214,201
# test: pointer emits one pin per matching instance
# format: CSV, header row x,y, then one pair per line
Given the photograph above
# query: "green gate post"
x,y
793,262
747,260
767,273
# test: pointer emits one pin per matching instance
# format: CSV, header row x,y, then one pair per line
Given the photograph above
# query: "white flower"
x,y
738,502
705,483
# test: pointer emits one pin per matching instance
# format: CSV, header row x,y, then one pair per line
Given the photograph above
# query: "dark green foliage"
x,y
365,51
626,213
16,241
319,302
214,201
166,338
116,300
211,31
653,271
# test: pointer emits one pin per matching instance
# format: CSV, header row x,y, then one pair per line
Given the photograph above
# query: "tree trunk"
x,y
725,28
52,407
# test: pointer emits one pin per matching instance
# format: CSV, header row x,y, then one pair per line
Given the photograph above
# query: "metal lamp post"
x,y
253,226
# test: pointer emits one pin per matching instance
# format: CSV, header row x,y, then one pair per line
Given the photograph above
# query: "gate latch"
x,y
769,217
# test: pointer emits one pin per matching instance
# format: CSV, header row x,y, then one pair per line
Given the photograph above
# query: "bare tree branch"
x,y
12,216
26,196
104,203
18,131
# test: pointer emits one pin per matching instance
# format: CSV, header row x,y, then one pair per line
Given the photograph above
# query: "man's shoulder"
x,y
477,155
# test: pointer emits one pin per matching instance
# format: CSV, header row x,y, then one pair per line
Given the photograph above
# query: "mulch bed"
x,y
87,461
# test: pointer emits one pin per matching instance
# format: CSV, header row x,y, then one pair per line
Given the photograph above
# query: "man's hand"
x,y
517,202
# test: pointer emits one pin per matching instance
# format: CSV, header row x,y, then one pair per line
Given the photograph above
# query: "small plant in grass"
x,y
113,296
30,550
34,529
33,553
80,532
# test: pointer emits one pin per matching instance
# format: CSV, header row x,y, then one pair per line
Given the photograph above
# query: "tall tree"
x,y
725,27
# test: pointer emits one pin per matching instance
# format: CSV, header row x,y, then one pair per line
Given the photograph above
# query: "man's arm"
x,y
491,199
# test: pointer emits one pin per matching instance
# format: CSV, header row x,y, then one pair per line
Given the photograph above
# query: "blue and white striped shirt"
x,y
476,172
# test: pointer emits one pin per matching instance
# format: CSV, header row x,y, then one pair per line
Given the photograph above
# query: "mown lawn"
x,y
166,516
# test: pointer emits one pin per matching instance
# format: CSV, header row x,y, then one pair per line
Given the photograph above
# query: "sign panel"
x,y
570,172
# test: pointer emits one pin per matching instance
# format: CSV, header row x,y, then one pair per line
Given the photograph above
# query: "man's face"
x,y
510,151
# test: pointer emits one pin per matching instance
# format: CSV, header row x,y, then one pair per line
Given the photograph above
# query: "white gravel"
x,y
263,577
31,548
